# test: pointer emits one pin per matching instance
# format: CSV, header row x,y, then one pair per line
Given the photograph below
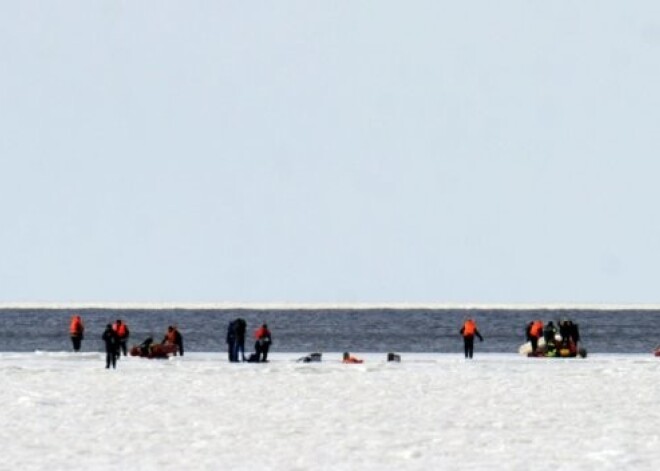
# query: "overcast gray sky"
x,y
330,151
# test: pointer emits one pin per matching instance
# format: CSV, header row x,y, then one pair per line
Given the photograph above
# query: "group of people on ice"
x,y
115,338
552,340
116,335
547,340
236,331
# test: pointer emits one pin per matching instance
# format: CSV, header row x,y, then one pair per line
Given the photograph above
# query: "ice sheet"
x,y
431,411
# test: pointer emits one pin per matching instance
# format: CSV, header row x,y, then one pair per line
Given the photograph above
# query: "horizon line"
x,y
322,305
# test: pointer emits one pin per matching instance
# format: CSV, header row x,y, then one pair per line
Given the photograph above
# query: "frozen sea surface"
x,y
432,411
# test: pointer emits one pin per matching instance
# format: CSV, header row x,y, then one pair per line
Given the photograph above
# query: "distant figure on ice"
x,y
347,358
122,334
144,349
468,331
173,337
231,340
240,327
76,330
564,331
574,333
111,340
533,332
549,333
262,345
236,339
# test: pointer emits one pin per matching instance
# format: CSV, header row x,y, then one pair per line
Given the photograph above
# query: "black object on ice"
x,y
393,357
311,358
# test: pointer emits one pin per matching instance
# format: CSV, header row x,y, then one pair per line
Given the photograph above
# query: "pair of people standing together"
x,y
236,341
115,337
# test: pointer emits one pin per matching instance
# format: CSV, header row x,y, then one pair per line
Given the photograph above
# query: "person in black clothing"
x,y
574,333
231,341
145,347
240,326
564,331
111,340
178,340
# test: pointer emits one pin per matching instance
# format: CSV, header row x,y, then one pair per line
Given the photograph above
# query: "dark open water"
x,y
332,330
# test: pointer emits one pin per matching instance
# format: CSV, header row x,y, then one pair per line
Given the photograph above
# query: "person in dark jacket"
x,y
468,331
231,341
549,333
178,340
564,331
574,333
240,326
111,340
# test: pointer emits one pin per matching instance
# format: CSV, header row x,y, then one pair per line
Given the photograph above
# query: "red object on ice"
x,y
156,350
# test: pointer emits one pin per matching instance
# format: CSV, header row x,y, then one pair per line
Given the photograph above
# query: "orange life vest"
x,y
171,336
120,329
261,332
537,329
76,326
469,328
352,360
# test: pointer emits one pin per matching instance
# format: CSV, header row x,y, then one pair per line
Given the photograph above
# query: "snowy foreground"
x,y
66,411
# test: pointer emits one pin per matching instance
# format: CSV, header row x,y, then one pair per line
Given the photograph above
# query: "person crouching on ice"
x,y
263,342
350,359
468,331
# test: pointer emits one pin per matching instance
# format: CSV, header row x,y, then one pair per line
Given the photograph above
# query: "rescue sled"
x,y
656,352
155,350
558,350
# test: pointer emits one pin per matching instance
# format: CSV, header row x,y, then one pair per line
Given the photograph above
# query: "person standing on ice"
x,y
549,333
231,341
240,328
76,330
534,332
111,340
468,331
122,332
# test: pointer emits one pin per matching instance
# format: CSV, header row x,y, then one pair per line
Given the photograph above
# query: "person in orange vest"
x,y
263,342
347,358
173,337
76,330
122,333
468,331
534,332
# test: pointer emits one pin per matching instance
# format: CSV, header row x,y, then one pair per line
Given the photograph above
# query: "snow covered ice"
x,y
431,411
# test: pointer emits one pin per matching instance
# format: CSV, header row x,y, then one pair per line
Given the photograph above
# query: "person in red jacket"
x,y
263,341
347,358
76,330
122,333
468,331
534,332
174,337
